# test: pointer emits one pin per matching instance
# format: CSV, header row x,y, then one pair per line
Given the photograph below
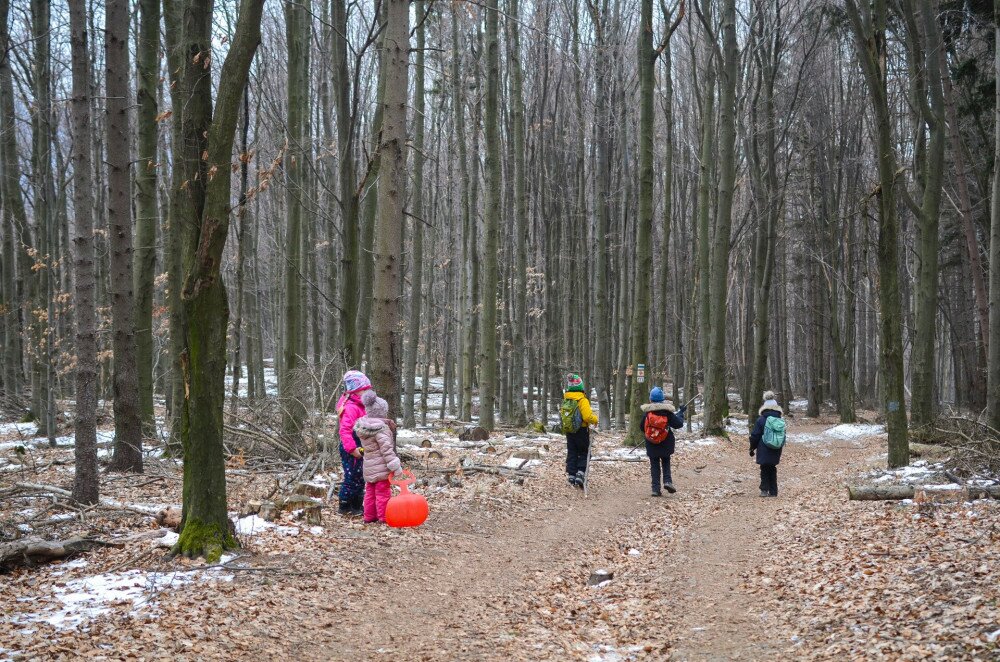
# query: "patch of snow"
x,y
316,530
11,467
739,426
62,517
168,540
993,637
634,552
698,441
23,429
252,524
942,488
807,438
849,431
88,598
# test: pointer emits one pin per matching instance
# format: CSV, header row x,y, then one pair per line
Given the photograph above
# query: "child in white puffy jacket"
x,y
378,438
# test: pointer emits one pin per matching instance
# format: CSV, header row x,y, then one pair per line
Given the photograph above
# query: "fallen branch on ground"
x,y
33,551
60,492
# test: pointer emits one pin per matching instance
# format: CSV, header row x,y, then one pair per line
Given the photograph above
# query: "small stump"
x,y
474,434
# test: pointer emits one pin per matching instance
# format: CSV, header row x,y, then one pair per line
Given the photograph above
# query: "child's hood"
x,y
658,406
367,426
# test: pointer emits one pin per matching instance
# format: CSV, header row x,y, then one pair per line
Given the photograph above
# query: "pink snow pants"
x,y
376,498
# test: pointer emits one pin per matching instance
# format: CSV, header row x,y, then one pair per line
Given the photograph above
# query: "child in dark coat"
x,y
657,420
767,457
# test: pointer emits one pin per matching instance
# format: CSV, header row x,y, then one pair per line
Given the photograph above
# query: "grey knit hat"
x,y
375,406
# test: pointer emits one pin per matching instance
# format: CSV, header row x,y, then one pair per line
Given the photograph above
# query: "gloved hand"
x,y
682,410
752,451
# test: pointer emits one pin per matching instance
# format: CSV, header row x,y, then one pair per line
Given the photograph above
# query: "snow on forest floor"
x,y
500,570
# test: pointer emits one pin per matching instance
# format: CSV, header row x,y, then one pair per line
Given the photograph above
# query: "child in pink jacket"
x,y
349,410
377,434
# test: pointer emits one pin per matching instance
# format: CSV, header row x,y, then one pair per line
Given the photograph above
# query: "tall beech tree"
x,y
298,36
17,242
869,30
205,521
85,478
128,429
418,221
386,357
488,338
993,388
147,215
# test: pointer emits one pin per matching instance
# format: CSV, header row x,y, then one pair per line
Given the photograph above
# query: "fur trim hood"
x,y
770,405
367,426
658,406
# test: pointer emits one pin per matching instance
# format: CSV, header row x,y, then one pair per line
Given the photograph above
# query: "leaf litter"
x,y
500,570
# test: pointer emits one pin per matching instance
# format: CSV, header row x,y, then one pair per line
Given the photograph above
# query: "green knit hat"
x,y
574,382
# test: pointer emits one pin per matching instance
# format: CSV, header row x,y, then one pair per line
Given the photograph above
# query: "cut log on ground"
x,y
984,492
34,551
879,492
899,492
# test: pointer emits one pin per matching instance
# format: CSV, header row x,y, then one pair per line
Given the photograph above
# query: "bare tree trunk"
x,y
205,522
291,381
128,424
716,398
242,239
644,223
930,100
386,348
43,207
85,478
417,264
521,225
146,209
993,370
869,40
488,342
19,278
349,284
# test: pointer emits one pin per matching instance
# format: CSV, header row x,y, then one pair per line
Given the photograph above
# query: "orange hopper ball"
x,y
406,508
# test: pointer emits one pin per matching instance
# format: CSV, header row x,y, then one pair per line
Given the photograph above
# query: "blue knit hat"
x,y
656,395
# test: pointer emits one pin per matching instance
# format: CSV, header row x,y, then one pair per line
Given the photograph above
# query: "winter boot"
x,y
764,493
581,478
571,480
656,492
344,508
669,486
358,505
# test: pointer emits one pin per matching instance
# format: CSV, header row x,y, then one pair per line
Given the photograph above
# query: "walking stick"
x,y
586,472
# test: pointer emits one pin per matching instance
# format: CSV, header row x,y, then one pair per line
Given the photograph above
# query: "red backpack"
x,y
657,427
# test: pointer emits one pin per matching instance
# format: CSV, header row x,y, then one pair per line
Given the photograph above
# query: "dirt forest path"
x,y
516,588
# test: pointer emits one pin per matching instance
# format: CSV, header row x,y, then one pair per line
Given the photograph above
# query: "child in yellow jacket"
x,y
576,417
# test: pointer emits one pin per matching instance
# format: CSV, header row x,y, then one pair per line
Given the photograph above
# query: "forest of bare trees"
x,y
211,210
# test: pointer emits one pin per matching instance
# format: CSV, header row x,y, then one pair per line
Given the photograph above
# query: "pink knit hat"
x,y
355,380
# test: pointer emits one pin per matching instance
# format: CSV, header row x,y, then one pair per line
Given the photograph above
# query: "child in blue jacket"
x,y
659,420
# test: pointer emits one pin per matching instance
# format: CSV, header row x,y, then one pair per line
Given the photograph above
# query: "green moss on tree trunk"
x,y
200,538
